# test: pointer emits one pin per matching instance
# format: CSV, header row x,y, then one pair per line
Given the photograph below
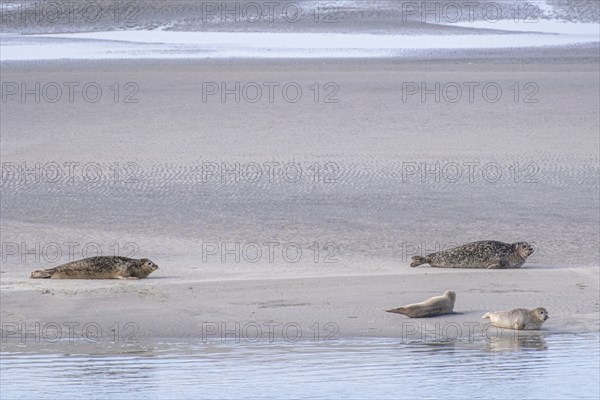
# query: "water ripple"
x,y
553,367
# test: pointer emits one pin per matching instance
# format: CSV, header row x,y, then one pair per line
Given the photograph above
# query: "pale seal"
x,y
485,254
438,305
519,318
100,268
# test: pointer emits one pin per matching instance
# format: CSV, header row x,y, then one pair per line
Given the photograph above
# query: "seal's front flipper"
x,y
500,265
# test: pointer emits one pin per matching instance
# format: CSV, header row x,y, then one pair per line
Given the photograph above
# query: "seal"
x,y
99,268
519,318
485,254
438,305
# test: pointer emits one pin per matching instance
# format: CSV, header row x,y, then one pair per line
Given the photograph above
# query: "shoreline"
x,y
170,308
50,50
580,54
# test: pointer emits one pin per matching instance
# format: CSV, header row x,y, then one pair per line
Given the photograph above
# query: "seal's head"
x,y
148,265
37,274
144,268
523,249
451,295
540,313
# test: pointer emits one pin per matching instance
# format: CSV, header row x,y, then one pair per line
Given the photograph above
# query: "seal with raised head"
x,y
438,305
519,318
485,254
99,268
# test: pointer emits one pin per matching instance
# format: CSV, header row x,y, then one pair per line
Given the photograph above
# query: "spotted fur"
x,y
485,254
99,268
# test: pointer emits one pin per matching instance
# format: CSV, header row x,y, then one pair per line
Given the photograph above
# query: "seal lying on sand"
x,y
486,254
99,268
438,305
519,318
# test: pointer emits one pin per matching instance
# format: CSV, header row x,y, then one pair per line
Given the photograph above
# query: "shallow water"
x,y
189,45
553,367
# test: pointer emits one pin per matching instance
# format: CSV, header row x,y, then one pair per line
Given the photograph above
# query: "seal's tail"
x,y
487,315
418,260
42,273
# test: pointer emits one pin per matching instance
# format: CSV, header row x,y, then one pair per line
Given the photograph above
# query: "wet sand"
x,y
375,16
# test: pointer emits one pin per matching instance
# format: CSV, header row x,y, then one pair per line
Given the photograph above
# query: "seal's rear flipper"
x,y
418,260
42,273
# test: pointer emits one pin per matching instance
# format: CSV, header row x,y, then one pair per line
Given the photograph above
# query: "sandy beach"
x,y
174,308
173,177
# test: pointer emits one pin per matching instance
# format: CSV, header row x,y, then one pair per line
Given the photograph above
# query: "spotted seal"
x,y
99,268
485,254
438,305
519,318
